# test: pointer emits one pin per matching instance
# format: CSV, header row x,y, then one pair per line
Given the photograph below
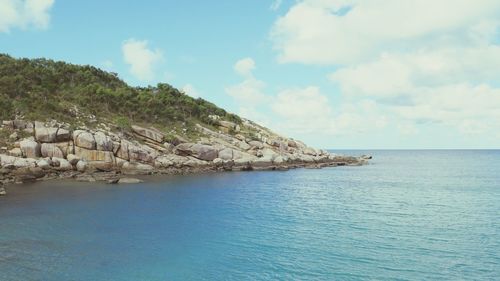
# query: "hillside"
x,y
70,121
41,89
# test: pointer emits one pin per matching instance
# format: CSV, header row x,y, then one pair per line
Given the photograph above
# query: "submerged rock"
x,y
129,181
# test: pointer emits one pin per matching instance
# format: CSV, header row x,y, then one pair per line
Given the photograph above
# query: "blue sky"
x,y
335,73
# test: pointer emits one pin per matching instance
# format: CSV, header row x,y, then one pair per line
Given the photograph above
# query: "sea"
x,y
408,215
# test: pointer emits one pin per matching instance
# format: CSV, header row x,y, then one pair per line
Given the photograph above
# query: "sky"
x,y
340,74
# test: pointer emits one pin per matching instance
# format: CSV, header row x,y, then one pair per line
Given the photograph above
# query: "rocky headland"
x,y
53,150
70,121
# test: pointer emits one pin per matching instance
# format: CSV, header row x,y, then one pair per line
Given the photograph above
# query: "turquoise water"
x,y
410,215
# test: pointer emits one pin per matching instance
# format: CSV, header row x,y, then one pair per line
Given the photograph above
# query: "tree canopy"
x,y
43,89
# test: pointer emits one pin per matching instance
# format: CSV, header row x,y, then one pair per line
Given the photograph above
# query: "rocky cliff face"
x,y
48,150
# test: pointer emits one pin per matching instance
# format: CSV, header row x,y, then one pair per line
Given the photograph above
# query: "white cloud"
x,y
302,104
392,75
276,5
191,91
251,90
24,13
421,64
448,86
245,66
452,104
308,111
141,58
347,31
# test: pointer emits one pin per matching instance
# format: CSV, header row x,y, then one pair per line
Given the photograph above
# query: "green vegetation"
x,y
41,89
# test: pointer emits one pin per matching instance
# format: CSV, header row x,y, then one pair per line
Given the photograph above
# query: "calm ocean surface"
x,y
410,215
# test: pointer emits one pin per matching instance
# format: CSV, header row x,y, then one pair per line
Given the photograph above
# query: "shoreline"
x,y
37,151
34,175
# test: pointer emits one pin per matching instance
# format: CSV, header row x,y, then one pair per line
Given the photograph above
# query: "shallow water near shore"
x,y
410,215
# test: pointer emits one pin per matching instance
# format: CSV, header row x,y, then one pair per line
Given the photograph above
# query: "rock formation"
x,y
54,150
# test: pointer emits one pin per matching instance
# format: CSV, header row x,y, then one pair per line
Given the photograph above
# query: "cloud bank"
x,y
416,63
24,14
141,59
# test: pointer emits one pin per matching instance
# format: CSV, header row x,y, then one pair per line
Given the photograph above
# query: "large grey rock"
x,y
151,134
279,160
95,159
6,160
226,154
310,151
200,151
73,159
256,144
47,135
63,135
18,124
184,149
204,152
16,152
94,155
120,162
269,154
227,124
292,143
169,147
243,145
163,162
103,142
273,142
242,155
51,150
122,151
43,163
196,163
261,163
218,162
16,162
30,148
143,154
64,165
136,168
84,139
306,158
169,160
81,166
